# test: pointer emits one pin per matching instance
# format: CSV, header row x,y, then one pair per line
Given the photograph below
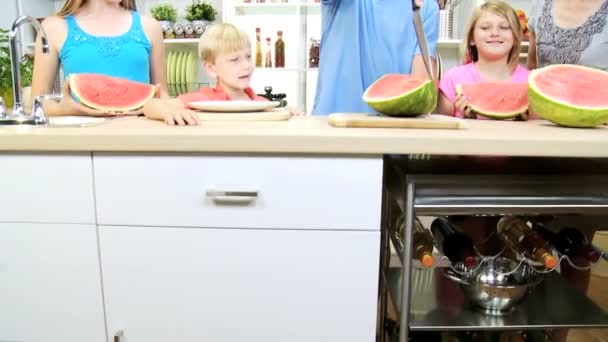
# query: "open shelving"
x,y
574,191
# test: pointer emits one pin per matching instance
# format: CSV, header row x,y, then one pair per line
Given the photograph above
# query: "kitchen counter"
x,y
312,135
258,226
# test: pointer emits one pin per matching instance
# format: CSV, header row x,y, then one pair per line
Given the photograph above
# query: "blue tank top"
x,y
126,55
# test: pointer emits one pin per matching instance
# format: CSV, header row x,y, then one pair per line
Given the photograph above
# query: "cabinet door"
x,y
221,285
50,285
54,188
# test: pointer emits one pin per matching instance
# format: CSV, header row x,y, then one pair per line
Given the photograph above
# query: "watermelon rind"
x,y
560,112
494,115
134,105
418,101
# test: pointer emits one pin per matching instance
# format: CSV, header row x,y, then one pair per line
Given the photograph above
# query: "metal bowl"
x,y
497,285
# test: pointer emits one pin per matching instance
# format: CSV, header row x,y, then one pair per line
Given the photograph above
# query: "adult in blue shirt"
x,y
361,41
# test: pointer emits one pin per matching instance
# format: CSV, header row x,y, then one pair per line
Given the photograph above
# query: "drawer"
x,y
239,192
39,188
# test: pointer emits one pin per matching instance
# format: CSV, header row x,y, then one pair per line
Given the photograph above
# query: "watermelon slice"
x,y
110,94
504,100
570,95
401,95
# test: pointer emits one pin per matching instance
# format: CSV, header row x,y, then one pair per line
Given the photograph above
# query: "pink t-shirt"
x,y
469,73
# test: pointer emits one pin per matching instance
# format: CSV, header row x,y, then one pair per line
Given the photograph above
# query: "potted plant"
x,y
166,15
200,14
6,74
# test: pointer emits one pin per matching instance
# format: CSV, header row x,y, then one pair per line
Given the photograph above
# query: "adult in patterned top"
x,y
568,32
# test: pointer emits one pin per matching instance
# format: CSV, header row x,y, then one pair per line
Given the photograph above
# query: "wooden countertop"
x,y
311,135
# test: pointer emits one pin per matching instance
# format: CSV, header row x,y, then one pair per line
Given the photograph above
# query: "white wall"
x,y
8,14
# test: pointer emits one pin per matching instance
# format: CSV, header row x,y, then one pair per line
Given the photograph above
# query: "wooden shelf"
x,y
181,41
278,8
277,5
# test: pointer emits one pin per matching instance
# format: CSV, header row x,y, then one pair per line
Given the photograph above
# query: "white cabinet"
x,y
284,192
50,288
46,188
232,285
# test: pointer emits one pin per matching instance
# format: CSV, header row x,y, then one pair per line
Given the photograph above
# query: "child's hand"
x,y
182,117
462,105
293,111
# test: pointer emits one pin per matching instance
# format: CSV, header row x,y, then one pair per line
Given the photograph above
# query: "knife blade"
x,y
424,50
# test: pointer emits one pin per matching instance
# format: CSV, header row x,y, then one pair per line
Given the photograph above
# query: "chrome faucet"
x,y
18,116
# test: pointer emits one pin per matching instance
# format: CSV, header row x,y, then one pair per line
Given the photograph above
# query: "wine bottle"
x,y
569,241
516,234
422,241
279,51
457,246
258,48
268,59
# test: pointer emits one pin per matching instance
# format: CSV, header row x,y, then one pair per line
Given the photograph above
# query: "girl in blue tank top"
x,y
98,36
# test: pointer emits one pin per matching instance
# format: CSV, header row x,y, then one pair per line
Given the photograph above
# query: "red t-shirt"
x,y
215,94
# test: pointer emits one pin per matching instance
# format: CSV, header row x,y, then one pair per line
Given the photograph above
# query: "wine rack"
x,y
438,186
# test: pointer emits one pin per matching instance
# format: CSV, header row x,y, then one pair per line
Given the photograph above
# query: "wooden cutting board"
x,y
250,116
361,120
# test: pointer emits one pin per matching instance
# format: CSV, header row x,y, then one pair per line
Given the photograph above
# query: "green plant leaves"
x,y
200,10
6,74
162,12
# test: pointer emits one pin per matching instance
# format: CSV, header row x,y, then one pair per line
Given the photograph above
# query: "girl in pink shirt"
x,y
492,50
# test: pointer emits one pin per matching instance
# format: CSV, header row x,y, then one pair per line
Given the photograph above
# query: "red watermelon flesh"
x,y
110,94
394,85
576,86
401,95
496,100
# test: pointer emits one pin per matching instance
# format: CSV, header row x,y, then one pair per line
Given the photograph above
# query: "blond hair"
x,y
72,6
501,9
221,38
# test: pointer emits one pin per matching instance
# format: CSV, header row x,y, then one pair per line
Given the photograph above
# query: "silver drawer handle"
x,y
232,197
118,337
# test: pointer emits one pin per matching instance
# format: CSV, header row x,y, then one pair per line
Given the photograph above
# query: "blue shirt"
x,y
362,40
126,55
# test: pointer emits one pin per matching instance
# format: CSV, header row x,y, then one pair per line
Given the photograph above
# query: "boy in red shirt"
x,y
226,56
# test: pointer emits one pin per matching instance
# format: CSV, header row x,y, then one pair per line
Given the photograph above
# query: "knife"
x,y
424,50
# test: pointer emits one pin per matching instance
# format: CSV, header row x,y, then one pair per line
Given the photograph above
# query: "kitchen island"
x,y
135,231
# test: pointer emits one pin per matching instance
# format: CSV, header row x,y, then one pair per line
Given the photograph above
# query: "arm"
x,y
531,61
158,74
419,69
46,66
430,19
171,111
444,105
535,12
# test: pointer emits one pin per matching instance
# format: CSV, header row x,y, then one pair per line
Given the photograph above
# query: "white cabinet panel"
x,y
294,192
55,188
50,286
231,285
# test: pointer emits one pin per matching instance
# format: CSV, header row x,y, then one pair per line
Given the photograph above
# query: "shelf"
x,y
280,8
180,41
449,43
476,187
553,304
264,69
277,5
